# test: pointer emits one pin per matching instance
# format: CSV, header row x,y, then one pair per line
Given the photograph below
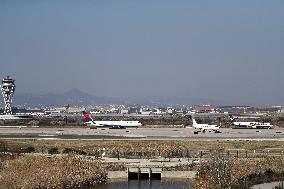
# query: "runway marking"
x,y
47,135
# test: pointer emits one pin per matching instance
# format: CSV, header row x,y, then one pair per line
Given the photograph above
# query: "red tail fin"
x,y
87,117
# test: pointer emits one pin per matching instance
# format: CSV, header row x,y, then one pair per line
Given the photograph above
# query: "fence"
x,y
154,154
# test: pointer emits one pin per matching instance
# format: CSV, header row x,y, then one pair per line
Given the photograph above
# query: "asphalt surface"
x,y
22,133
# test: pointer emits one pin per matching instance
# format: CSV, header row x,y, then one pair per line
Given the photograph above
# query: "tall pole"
x,y
8,88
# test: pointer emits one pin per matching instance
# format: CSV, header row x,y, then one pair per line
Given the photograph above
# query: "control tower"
x,y
8,88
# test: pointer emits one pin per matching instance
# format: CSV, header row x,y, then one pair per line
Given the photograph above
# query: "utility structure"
x,y
8,88
66,106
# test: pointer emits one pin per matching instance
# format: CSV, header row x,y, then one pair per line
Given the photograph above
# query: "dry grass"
x,y
29,172
144,146
220,173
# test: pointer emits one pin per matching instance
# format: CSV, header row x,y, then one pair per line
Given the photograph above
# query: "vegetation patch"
x,y
221,172
29,172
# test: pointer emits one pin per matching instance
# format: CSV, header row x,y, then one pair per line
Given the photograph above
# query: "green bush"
x,y
53,150
29,149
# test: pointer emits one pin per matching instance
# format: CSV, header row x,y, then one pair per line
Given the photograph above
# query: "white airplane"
x,y
111,124
204,126
249,125
14,117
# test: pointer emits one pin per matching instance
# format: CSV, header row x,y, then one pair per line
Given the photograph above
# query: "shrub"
x,y
73,151
29,149
33,123
53,150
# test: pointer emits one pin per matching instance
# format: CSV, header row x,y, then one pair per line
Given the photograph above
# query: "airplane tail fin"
x,y
194,123
87,117
232,118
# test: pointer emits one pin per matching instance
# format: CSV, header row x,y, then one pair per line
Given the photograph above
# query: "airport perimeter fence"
x,y
153,154
141,155
170,154
241,153
202,154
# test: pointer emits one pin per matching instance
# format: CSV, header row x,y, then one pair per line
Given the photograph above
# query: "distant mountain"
x,y
76,97
172,101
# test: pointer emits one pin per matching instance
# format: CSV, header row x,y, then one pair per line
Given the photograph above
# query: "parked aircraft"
x,y
249,125
15,117
111,124
204,127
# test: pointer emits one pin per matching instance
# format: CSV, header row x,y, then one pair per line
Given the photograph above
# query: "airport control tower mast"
x,y
8,88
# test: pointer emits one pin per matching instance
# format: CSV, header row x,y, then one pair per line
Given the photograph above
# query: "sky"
x,y
225,50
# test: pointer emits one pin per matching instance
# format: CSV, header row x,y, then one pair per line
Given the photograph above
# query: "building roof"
x,y
207,107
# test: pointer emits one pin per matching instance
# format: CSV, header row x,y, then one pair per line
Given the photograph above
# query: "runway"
x,y
186,134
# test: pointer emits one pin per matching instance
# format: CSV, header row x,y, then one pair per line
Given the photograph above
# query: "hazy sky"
x,y
227,50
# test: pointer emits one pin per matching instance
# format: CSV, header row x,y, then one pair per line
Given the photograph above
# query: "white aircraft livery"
x,y
15,117
249,125
112,124
204,126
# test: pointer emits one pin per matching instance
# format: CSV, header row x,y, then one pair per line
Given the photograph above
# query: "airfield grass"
x,y
141,146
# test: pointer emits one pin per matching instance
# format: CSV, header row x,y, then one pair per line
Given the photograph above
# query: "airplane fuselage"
x,y
113,123
257,125
91,122
249,124
204,126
